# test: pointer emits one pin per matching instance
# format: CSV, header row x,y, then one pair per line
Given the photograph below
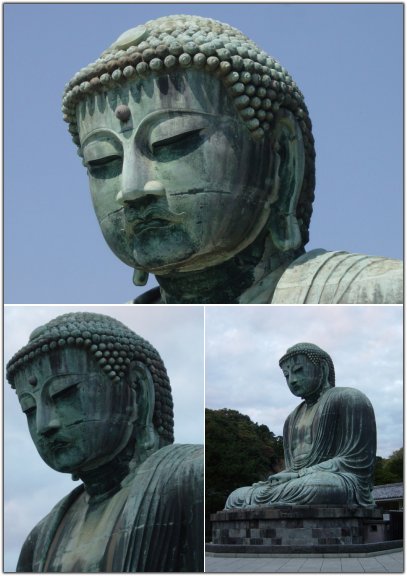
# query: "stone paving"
x,y
392,562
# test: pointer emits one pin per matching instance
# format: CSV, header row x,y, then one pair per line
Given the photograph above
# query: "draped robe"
x,y
153,524
321,277
338,468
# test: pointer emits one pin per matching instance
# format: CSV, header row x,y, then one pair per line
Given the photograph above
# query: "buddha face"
x,y
303,377
177,182
78,418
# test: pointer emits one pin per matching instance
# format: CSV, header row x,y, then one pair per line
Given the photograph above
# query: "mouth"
x,y
150,224
152,218
58,445
296,387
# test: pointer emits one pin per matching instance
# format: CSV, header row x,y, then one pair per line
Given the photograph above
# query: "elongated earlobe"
x,y
143,384
287,182
325,375
140,277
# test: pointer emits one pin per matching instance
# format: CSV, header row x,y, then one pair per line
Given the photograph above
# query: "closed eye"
x,y
177,145
105,167
29,410
28,405
175,138
59,392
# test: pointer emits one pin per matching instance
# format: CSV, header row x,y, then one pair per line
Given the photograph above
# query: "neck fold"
x,y
232,282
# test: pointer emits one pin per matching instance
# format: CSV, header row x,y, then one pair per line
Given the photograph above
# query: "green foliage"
x,y
389,470
238,452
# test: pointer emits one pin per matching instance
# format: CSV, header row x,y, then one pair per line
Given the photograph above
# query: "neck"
x,y
313,398
107,479
227,282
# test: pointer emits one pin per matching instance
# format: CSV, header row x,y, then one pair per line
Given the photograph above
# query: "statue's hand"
x,y
281,477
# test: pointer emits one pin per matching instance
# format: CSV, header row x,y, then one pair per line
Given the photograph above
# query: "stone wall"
x,y
297,526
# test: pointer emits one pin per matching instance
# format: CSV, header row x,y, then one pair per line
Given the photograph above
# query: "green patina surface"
x,y
329,441
98,404
201,163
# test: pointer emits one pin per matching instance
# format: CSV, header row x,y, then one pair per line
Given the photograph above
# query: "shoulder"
x,y
26,558
179,452
184,455
152,296
172,475
177,464
321,277
42,533
345,396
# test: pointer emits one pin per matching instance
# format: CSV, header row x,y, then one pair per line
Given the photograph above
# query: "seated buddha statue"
x,y
329,441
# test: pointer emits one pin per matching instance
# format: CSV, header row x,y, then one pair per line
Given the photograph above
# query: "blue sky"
x,y
31,488
346,59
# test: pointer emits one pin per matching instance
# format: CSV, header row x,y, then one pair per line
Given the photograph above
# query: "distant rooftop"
x,y
388,491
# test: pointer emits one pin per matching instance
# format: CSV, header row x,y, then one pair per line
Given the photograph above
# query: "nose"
x,y
292,379
132,193
47,421
137,178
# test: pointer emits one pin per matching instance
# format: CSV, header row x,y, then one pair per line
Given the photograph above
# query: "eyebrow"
x,y
97,132
148,118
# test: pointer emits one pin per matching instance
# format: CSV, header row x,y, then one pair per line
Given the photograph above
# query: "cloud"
x,y
244,344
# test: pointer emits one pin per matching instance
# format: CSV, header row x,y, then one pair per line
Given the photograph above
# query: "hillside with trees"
x,y
389,470
238,452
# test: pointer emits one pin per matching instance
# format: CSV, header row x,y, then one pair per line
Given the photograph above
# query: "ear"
x,y
288,175
325,373
142,383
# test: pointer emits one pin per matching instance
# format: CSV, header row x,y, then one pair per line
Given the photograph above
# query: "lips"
x,y
150,224
56,445
152,217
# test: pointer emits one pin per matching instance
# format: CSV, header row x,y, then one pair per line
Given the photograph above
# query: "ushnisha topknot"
x,y
257,84
315,354
113,345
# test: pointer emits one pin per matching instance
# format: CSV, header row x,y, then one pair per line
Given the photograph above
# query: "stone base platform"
x,y
299,529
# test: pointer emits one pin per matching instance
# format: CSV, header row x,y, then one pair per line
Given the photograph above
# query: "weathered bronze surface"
x,y
329,441
201,163
98,404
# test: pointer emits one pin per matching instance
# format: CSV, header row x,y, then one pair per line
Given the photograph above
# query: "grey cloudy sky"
x,y
244,345
31,488
346,58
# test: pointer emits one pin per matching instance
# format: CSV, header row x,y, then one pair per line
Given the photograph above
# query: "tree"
x,y
389,470
238,452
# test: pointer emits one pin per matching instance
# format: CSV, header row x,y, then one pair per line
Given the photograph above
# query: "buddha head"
x,y
93,391
308,370
196,143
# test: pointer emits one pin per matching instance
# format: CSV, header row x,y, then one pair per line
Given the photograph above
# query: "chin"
x,y
119,243
163,253
63,462
66,468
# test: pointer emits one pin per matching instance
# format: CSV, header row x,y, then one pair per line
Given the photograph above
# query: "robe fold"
x,y
156,525
338,469
321,277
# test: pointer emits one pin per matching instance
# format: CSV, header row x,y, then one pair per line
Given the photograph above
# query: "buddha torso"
x,y
302,438
153,523
84,533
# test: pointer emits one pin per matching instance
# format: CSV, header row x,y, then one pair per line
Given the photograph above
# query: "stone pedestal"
x,y
296,528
